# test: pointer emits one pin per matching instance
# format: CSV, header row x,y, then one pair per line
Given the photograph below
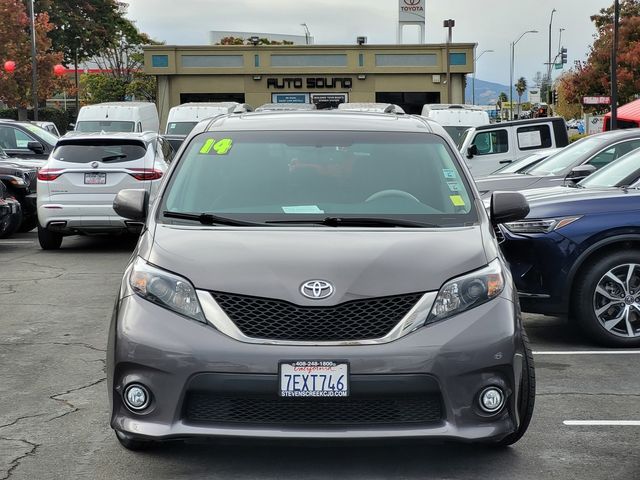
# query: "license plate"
x,y
314,379
95,178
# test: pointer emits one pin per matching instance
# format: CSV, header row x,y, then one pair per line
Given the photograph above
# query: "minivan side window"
x,y
492,142
534,137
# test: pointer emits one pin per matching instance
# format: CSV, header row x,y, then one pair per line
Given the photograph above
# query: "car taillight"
x,y
145,173
48,174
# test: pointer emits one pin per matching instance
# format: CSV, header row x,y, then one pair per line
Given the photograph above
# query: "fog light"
x,y
491,399
136,397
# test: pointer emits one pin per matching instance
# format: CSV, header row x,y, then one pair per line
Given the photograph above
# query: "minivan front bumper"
x,y
447,364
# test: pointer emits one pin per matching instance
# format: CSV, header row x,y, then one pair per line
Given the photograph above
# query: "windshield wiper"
x,y
209,219
113,157
359,222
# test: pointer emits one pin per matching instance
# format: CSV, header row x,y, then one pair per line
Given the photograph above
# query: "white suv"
x,y
77,185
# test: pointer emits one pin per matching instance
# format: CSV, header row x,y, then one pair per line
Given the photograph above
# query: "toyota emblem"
x,y
316,289
94,164
412,3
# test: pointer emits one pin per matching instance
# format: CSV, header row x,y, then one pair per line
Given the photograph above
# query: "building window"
x,y
256,60
406,60
159,61
216,61
361,60
328,60
458,58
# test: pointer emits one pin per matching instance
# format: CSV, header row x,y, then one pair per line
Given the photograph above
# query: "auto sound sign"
x,y
412,10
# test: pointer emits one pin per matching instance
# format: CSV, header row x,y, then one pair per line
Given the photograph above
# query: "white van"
x,y
118,117
456,118
183,118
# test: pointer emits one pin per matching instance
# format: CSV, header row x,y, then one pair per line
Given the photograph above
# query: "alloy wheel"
x,y
616,301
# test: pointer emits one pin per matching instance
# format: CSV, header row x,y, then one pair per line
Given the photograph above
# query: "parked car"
x,y
318,274
371,107
20,184
573,163
24,139
487,146
456,118
183,118
578,252
77,186
525,164
118,117
10,213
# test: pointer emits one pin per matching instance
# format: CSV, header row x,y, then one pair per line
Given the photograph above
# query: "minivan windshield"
x,y
180,128
557,164
104,126
271,176
622,172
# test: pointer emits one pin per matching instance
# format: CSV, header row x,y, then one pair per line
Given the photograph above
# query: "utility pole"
x,y
449,24
34,63
614,66
549,61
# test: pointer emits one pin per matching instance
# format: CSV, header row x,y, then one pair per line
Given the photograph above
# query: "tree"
x,y
82,26
521,87
99,88
564,108
15,45
593,77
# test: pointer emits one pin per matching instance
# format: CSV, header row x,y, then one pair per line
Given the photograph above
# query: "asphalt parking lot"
x,y
54,313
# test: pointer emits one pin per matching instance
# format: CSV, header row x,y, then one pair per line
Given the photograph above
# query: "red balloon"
x,y
59,70
10,66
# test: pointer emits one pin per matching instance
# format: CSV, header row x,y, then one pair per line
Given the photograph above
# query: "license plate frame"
x,y
99,178
332,378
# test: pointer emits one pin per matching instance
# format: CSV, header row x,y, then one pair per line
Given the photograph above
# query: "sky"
x,y
493,24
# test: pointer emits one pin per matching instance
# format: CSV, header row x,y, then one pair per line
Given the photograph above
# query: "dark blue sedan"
x,y
578,252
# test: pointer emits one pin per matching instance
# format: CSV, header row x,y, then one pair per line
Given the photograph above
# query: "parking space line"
x,y
616,423
16,242
588,352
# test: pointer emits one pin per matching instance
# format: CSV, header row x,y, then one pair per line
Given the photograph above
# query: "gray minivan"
x,y
318,275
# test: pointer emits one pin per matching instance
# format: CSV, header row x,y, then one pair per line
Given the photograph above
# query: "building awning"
x,y
630,111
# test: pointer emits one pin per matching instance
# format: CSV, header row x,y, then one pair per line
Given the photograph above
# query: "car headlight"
x,y
165,289
468,291
544,225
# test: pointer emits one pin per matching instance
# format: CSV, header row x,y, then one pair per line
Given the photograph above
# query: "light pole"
x,y
560,39
307,33
513,61
549,62
449,24
34,64
473,79
614,66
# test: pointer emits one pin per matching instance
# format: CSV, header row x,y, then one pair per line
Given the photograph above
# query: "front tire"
x,y
607,300
49,240
11,224
527,398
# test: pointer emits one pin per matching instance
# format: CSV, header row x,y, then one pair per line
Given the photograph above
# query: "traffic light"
x,y
555,97
563,55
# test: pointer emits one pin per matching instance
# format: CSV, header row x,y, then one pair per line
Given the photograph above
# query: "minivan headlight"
x,y
544,225
165,289
468,291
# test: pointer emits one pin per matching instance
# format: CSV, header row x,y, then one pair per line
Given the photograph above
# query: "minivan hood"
x,y
275,262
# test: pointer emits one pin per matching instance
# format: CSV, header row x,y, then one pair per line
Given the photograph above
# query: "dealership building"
x,y
407,75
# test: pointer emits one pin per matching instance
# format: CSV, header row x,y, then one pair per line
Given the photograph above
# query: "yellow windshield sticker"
x,y
457,200
219,147
208,145
223,146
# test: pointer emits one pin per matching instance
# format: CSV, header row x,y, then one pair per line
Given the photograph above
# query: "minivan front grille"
x,y
272,319
260,410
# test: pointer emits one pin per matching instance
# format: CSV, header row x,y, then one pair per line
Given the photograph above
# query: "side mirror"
x,y
580,173
508,207
132,204
472,151
36,147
